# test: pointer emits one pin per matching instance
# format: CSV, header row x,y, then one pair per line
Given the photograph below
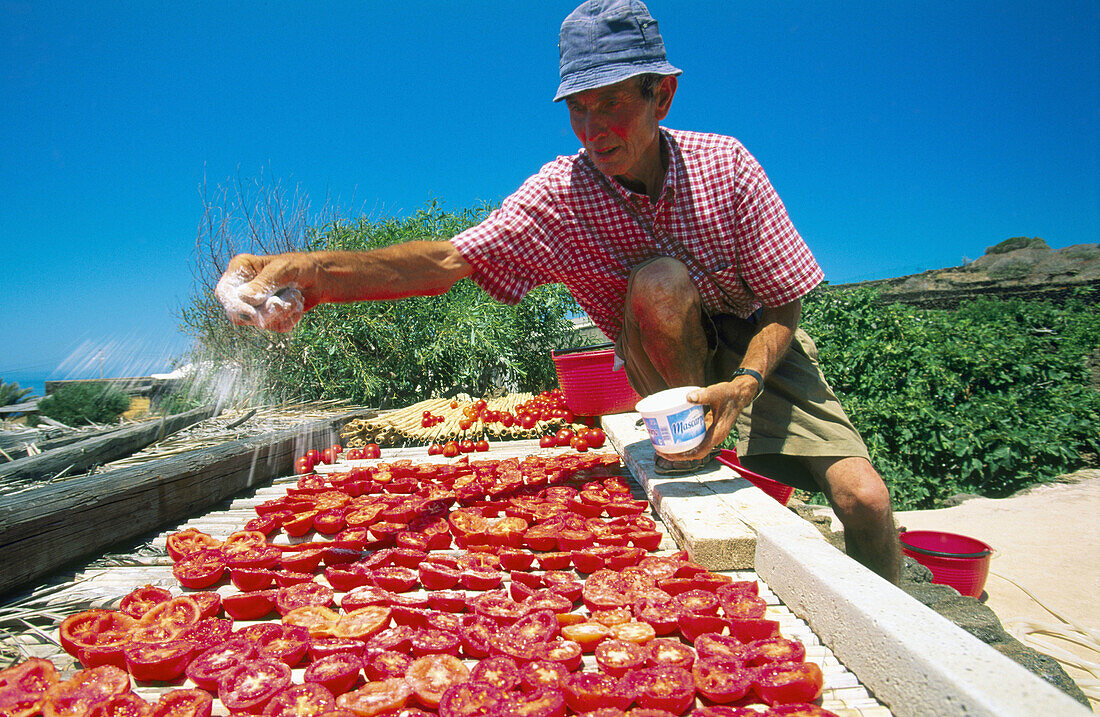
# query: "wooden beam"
x,y
44,529
103,448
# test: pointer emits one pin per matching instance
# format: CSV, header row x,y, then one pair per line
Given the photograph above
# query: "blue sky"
x,y
902,136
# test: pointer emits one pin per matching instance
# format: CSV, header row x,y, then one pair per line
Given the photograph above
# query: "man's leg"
x,y
861,501
666,345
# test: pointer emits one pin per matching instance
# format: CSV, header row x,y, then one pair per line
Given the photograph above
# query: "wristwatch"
x,y
754,374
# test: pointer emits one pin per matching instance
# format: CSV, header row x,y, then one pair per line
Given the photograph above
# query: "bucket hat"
x,y
607,41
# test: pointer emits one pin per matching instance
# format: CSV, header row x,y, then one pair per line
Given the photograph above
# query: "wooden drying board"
x,y
42,530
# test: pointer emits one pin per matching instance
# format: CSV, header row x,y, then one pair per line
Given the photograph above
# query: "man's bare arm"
x,y
727,399
254,286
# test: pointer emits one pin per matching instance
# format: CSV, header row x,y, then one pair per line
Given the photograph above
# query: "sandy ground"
x,y
1046,559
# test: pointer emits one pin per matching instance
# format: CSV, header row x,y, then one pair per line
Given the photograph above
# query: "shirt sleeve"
x,y
775,263
511,250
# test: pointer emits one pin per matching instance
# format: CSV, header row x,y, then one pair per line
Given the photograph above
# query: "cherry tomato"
x,y
435,449
481,446
595,438
564,436
303,466
585,691
528,421
548,441
371,450
579,444
450,449
472,698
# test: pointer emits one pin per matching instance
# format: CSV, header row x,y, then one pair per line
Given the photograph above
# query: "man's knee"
x,y
662,287
858,491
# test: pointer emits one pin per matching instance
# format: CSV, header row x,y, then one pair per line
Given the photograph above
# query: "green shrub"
x,y
987,399
394,353
1015,243
82,403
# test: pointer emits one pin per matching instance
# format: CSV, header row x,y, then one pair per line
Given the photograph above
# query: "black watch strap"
x,y
755,374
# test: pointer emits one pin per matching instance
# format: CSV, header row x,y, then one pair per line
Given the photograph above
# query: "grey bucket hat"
x,y
606,41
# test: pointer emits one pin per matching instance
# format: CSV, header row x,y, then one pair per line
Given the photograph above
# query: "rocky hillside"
x,y
1020,267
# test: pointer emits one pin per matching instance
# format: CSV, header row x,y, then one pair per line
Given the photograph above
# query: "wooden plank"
x,y
79,457
62,522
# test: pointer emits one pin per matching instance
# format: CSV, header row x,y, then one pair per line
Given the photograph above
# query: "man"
x,y
673,242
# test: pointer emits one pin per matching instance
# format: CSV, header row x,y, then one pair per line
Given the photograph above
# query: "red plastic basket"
x,y
955,560
589,385
780,491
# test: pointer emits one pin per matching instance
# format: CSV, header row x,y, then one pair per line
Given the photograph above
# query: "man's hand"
x,y
725,400
269,292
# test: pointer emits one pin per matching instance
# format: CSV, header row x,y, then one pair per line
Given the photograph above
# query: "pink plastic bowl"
x,y
955,560
590,387
780,491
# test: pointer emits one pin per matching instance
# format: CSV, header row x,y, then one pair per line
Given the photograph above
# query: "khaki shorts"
x,y
797,415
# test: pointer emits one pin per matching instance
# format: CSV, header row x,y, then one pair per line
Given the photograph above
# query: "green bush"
x,y
395,353
83,403
987,399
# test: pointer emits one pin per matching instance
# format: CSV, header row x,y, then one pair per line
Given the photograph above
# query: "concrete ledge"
x,y
914,660
713,514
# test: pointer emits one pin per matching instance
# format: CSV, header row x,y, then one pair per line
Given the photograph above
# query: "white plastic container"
x,y
675,425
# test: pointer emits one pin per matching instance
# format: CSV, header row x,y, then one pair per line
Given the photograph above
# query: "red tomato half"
x,y
431,675
23,687
96,637
183,703
786,682
299,700
721,681
337,672
375,698
76,696
158,661
466,699
200,568
207,669
249,686
141,600
125,705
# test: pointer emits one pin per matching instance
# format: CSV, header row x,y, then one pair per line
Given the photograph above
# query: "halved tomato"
x,y
250,685
431,675
721,681
249,606
303,595
310,698
774,649
499,670
617,657
96,637
363,622
23,686
125,705
785,682
289,646
200,568
667,651
662,688
76,696
384,664
375,698
319,620
337,672
139,600
586,691
466,699
542,673
158,661
208,667
188,541
183,703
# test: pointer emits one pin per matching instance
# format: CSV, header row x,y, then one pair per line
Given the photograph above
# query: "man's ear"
x,y
666,89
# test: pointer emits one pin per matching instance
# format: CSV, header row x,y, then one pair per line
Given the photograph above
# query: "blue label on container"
x,y
658,432
687,424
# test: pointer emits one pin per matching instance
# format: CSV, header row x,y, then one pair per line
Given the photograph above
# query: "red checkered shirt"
x,y
717,213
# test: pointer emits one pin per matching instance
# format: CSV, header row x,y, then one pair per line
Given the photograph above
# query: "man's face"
x,y
618,127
